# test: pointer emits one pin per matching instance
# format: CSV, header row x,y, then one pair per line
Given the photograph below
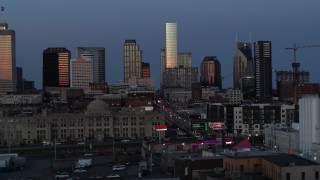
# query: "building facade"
x,y
185,59
180,77
81,73
171,49
56,67
132,60
7,59
309,115
211,72
97,123
263,70
97,55
145,70
243,63
19,79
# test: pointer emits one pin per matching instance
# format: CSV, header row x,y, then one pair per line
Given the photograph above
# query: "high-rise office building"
x,y
263,70
171,45
97,55
185,59
180,77
28,86
145,70
211,72
162,65
243,65
132,59
7,59
19,79
81,73
56,67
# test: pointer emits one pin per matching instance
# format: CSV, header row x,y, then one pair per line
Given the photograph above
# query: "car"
x,y
80,170
73,178
113,176
95,177
61,175
88,154
125,140
81,143
119,167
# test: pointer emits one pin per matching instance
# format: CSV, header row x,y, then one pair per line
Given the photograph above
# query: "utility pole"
x,y
55,148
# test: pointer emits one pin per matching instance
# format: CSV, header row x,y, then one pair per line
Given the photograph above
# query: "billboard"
x,y
198,126
217,125
161,128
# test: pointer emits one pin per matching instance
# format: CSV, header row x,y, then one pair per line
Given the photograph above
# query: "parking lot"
x,y
41,168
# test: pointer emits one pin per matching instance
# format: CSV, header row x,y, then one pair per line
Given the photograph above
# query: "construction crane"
x,y
295,64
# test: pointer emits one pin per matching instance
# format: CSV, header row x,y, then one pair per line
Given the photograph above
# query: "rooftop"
x,y
289,160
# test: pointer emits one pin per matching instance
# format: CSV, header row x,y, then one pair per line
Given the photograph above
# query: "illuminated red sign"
x,y
216,125
161,128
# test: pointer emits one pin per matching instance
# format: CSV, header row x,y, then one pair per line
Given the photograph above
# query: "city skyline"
x,y
205,29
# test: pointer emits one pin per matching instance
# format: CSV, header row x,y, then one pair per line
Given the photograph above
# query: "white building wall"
x,y
238,119
309,116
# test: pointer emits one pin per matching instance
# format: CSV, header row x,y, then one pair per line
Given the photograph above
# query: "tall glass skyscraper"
x,y
171,45
132,59
56,67
7,59
242,64
97,55
263,70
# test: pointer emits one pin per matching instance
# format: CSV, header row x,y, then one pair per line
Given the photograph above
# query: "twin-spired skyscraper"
x,y
7,59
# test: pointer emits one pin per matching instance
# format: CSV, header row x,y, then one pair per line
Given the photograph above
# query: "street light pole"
x,y
113,146
55,149
84,145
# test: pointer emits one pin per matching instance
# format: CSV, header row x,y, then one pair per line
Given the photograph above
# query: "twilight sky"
x,y
205,28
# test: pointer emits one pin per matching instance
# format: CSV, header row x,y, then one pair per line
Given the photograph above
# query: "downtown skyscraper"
x,y
7,59
171,49
263,70
56,67
132,60
81,73
97,56
243,66
211,72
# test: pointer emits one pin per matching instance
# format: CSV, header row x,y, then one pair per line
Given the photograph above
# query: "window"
x,y
288,176
241,168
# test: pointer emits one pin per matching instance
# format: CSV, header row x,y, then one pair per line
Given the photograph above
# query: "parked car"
x,y
61,175
113,176
95,177
80,170
88,154
125,140
73,178
118,167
